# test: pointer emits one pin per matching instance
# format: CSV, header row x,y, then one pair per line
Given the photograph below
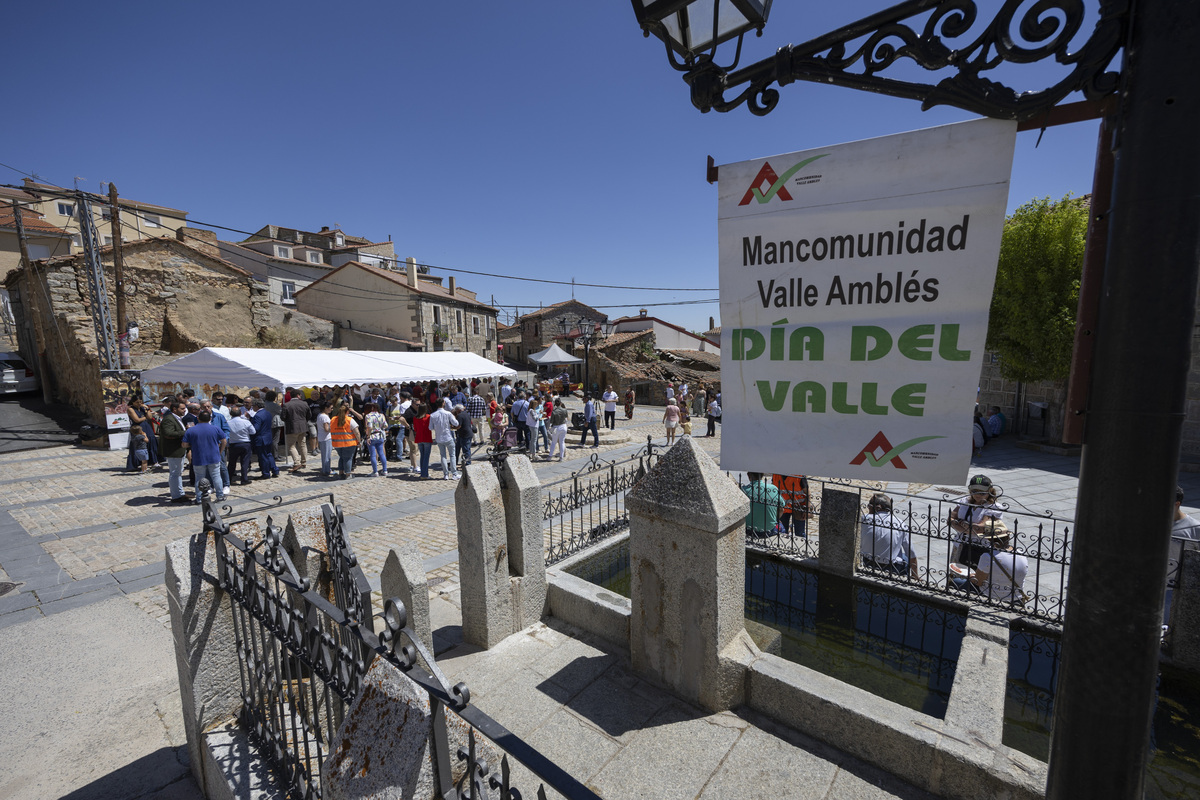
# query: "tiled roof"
x,y
659,371
624,337
124,202
17,194
139,244
713,333
550,309
702,356
32,221
401,279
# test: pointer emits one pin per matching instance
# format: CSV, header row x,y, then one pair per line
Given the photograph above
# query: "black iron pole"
x,y
1104,705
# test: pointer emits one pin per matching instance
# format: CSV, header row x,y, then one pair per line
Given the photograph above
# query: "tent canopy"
x,y
251,366
554,355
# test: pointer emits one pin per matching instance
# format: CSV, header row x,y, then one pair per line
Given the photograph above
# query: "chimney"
x,y
453,286
202,240
642,311
712,323
324,228
412,271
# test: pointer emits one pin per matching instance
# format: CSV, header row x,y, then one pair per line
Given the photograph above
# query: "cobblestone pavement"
x,y
76,528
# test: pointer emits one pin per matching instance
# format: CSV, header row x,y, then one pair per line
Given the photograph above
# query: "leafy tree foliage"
x,y
1032,323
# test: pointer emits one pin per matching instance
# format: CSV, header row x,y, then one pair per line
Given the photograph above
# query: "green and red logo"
x,y
775,183
891,455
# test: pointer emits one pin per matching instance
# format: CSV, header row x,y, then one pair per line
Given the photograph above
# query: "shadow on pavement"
x,y
159,775
27,423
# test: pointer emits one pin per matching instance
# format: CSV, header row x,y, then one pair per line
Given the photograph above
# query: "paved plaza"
x,y
85,645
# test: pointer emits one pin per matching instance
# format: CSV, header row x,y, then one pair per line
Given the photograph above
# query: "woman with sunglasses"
x,y
967,520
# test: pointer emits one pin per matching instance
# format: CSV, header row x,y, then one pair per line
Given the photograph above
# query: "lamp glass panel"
x,y
730,21
674,32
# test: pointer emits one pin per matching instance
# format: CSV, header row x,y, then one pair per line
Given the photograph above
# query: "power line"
x,y
396,259
262,259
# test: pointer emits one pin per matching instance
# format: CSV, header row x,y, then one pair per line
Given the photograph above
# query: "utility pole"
x,y
31,292
119,276
101,320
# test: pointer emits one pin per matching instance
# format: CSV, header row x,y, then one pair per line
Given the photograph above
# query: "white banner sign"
x,y
855,286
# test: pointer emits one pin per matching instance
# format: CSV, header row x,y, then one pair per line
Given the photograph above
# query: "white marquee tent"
x,y
554,355
249,366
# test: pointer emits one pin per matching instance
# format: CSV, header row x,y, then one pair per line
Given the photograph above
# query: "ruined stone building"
x,y
182,295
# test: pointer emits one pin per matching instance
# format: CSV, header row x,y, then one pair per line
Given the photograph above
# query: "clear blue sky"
x,y
532,139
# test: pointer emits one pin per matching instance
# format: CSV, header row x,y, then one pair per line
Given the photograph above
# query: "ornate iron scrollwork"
x,y
857,55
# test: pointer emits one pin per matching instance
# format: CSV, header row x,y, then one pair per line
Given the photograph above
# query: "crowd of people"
x,y
217,438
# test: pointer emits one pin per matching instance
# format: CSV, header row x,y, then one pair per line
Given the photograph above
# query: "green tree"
x,y
1032,322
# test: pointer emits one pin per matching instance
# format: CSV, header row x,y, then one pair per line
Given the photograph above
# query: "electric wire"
x,y
262,259
396,260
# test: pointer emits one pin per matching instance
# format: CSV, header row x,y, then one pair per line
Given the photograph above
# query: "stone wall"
x,y
467,341
321,332
181,299
1013,398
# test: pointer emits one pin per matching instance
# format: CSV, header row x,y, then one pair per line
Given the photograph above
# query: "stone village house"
x,y
539,329
181,293
381,309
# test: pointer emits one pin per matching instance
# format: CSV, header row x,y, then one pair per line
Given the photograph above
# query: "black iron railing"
x,y
302,658
590,504
783,517
944,562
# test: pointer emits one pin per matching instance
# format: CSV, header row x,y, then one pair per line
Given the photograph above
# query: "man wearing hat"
x,y
968,518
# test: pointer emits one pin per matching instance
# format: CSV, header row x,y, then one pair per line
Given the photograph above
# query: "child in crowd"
x,y
141,447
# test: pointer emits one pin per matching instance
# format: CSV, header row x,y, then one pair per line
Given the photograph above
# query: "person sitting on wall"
x,y
967,519
763,519
1001,572
885,541
996,422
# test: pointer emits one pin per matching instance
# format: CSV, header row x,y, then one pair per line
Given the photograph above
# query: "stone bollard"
x,y
304,542
502,572
687,559
522,492
839,531
205,651
404,577
1185,613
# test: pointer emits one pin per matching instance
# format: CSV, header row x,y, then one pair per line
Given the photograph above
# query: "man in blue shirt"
x,y
220,421
263,440
206,443
589,422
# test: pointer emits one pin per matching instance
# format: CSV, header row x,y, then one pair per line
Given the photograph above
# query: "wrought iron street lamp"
x,y
1148,271
935,34
588,332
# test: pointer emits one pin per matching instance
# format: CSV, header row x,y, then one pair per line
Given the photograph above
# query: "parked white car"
x,y
15,376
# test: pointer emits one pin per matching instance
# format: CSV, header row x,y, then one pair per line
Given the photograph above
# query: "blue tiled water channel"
x,y
885,643
1174,767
